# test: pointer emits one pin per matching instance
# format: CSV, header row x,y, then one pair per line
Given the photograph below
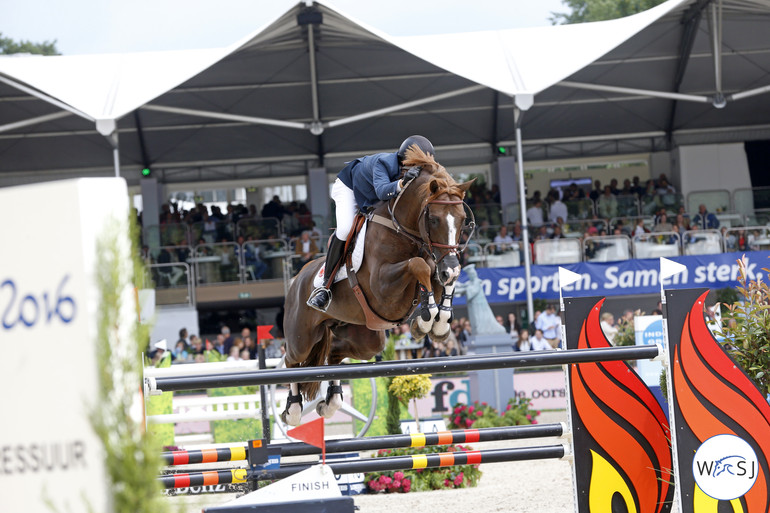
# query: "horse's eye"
x,y
433,220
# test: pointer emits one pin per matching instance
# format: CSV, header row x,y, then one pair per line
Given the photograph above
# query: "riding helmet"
x,y
421,142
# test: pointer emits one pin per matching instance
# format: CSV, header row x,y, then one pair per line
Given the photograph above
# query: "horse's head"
x,y
435,210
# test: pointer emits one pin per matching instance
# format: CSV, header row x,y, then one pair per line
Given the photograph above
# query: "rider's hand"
x,y
410,175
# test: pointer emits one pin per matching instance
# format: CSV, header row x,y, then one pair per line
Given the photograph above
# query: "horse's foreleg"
x,y
292,415
423,323
441,324
329,406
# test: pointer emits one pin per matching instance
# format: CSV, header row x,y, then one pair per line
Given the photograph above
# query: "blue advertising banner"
x,y
628,277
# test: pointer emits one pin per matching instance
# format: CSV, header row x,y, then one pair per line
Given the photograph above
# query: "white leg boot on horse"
x,y
441,324
428,311
333,402
292,415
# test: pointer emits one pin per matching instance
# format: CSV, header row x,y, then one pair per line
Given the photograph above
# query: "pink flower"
x,y
447,483
458,409
406,484
537,413
457,420
470,409
385,480
459,479
534,421
508,407
398,476
396,485
479,413
468,422
484,404
529,417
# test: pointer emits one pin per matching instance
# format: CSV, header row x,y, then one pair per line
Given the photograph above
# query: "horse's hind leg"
x,y
351,341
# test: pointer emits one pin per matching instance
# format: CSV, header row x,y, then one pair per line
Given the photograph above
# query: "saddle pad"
x,y
356,259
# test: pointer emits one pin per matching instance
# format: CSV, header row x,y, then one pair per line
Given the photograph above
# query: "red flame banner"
x,y
621,435
712,396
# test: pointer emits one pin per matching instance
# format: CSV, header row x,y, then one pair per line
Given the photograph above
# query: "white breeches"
x,y
345,208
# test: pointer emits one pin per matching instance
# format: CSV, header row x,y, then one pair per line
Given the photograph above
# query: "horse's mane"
x,y
446,184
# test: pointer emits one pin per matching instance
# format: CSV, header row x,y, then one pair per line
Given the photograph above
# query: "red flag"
x,y
263,332
312,433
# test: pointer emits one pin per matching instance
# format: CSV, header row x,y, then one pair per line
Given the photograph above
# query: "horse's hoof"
x,y
291,420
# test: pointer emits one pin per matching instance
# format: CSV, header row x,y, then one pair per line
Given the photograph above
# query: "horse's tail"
x,y
317,357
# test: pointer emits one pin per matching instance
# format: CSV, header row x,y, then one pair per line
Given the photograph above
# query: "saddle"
x,y
373,320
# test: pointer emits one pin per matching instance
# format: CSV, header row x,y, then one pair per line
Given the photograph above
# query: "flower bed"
x,y
459,476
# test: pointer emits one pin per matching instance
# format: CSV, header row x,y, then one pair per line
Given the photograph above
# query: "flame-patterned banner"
x,y
722,420
622,455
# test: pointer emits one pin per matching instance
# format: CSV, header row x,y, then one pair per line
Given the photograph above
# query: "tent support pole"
x,y
34,121
523,208
631,90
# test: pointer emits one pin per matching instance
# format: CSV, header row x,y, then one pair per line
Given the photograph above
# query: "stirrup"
x,y
323,306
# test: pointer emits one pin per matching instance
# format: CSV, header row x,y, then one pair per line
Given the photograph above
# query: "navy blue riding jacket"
x,y
372,178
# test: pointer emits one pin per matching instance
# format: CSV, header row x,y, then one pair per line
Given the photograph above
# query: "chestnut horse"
x,y
411,256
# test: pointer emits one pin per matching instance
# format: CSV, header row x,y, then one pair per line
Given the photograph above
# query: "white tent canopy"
x,y
314,86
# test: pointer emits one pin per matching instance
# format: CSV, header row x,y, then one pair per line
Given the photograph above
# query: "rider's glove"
x,y
410,175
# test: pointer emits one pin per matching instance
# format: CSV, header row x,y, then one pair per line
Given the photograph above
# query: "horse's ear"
x,y
466,185
434,186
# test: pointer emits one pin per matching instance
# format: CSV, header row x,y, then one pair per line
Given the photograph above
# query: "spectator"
x,y
535,213
451,347
548,322
597,191
558,209
272,347
502,241
245,354
228,340
650,200
183,338
248,255
307,250
663,224
524,343
607,204
234,354
608,327
639,230
705,219
196,345
557,231
512,327
179,353
274,208
539,342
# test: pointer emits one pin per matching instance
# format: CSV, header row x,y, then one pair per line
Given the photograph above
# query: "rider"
x,y
362,183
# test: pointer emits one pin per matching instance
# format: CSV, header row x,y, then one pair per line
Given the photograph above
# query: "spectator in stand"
x,y
451,346
597,191
245,354
636,187
465,333
627,188
512,327
485,231
542,233
516,234
183,338
640,230
663,224
682,222
272,347
558,209
228,341
535,213
179,353
607,204
608,327
307,250
248,255
523,343
220,344
614,186
196,345
502,241
704,219
650,200
664,186
539,342
234,354
729,239
548,322
274,208
557,230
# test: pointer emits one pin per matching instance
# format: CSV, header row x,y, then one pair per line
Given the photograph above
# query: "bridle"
x,y
422,238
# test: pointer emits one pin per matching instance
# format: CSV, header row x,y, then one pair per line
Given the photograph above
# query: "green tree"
x,y
9,46
597,10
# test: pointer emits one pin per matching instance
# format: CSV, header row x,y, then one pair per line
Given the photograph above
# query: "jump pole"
x,y
373,443
417,461
400,368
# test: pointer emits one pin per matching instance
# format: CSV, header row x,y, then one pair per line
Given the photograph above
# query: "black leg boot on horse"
x,y
321,297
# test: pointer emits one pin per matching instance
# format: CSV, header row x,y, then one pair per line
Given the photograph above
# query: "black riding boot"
x,y
321,297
